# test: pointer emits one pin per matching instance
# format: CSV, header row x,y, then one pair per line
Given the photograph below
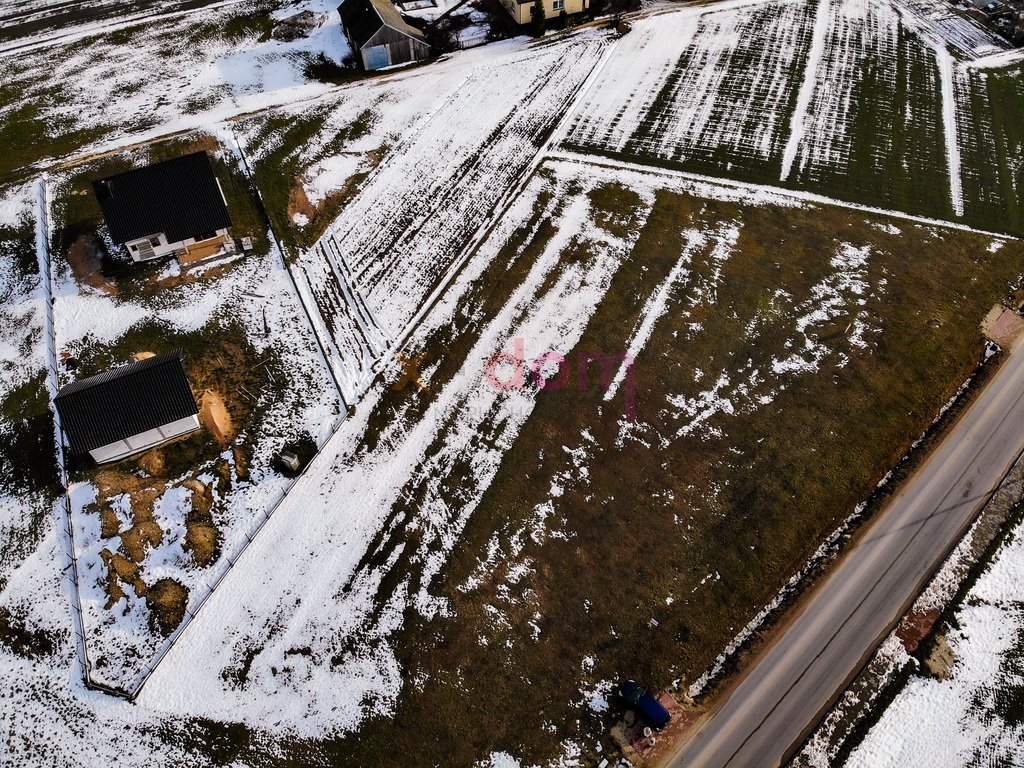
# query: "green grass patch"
x,y
897,156
741,79
27,135
992,149
279,172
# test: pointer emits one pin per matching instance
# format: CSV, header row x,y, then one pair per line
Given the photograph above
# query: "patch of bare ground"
x,y
121,572
215,417
298,201
317,217
18,637
167,599
941,659
202,536
87,265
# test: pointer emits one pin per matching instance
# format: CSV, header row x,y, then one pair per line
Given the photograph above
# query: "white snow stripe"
x,y
803,99
949,131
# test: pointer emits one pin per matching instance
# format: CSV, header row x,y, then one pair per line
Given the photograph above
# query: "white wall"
x,y
144,440
165,248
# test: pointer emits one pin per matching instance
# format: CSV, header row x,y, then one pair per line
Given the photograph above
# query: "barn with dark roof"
x,y
172,208
127,409
379,36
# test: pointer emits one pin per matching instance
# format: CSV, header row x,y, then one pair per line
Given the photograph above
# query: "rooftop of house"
x,y
125,401
363,18
179,197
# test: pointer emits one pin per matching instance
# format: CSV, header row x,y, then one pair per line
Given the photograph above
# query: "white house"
x,y
128,409
173,208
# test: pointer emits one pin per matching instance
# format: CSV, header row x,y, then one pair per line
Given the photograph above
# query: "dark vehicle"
x,y
645,705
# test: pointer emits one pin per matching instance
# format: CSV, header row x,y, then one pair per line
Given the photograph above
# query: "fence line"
x,y
43,235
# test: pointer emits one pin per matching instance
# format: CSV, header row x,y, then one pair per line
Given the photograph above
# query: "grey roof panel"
x,y
364,18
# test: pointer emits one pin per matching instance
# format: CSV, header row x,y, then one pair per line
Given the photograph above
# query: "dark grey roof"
x,y
178,197
124,401
364,18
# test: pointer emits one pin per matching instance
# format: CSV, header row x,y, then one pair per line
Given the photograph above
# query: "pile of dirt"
x,y
202,538
167,599
297,26
215,417
86,265
940,662
121,570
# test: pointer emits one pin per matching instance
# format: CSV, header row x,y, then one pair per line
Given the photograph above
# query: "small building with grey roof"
x,y
379,36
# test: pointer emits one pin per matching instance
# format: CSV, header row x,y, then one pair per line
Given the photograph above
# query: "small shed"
x,y
128,409
378,34
170,208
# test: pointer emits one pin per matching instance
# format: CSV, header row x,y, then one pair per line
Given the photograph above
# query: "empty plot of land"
x,y
391,245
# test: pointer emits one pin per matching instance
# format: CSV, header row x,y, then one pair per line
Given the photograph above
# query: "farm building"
x,y
174,208
377,32
522,10
127,409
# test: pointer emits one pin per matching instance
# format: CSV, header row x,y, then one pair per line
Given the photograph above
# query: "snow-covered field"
x,y
173,73
864,100
974,717
379,261
707,83
300,638
22,361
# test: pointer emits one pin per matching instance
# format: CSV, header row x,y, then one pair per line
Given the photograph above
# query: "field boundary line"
x,y
638,166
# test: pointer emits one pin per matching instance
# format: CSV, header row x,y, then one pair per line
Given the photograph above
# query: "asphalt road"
x,y
788,688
